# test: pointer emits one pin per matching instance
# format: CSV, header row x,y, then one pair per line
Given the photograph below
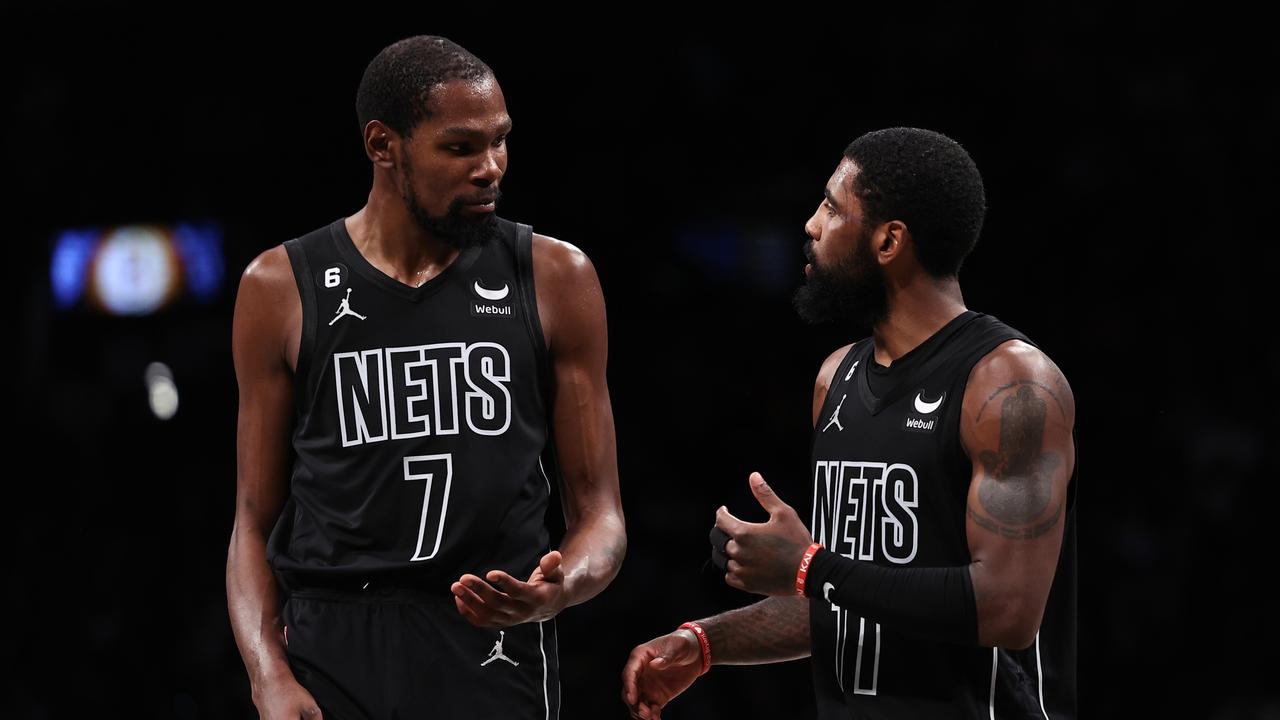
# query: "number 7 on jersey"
x,y
437,470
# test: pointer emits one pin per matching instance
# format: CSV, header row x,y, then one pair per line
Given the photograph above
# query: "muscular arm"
x,y
267,295
772,630
1016,424
775,629
571,310
1016,428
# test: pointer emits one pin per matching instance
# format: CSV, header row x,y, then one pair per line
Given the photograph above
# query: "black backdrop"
x,y
1128,157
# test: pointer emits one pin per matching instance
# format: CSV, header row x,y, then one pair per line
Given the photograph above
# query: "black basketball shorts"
x,y
389,653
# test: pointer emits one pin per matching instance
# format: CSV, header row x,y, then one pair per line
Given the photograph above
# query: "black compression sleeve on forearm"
x,y
935,602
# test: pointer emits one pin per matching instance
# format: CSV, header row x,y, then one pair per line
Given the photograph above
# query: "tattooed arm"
x,y
776,628
772,630
1016,427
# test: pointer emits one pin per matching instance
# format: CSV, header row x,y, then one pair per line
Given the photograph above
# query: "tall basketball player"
x,y
936,576
435,368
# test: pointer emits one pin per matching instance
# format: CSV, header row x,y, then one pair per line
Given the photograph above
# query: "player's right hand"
x,y
287,700
659,670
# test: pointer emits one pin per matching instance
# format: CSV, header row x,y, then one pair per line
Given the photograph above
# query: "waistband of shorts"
x,y
367,590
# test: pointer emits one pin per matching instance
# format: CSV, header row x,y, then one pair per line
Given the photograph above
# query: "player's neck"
x,y
916,311
391,240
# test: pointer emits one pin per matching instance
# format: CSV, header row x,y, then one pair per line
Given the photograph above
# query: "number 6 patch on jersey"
x,y
333,277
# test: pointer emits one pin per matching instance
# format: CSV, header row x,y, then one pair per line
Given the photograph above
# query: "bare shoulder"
x,y
268,310
1017,369
570,301
269,273
825,375
559,261
829,367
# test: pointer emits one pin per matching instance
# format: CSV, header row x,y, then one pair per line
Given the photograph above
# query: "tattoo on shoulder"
x,y
1017,482
1015,533
1018,383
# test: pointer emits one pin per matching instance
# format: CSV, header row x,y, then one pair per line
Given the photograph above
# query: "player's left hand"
x,y
764,557
499,600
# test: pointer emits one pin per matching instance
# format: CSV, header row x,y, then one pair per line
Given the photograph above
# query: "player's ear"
x,y
381,144
890,240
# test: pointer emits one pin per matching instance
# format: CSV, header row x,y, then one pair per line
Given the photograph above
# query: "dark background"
x,y
1129,163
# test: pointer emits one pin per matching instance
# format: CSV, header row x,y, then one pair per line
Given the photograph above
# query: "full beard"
x,y
852,292
456,228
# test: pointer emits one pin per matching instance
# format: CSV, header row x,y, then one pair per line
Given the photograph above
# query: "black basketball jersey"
x,y
890,485
421,418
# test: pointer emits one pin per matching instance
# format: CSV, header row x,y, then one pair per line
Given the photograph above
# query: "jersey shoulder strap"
x,y
299,259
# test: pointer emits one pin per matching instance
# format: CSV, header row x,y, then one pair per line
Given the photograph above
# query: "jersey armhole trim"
x,y
306,294
838,377
529,304
549,461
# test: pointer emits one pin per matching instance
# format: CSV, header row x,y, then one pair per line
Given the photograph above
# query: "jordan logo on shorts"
x,y
496,652
344,308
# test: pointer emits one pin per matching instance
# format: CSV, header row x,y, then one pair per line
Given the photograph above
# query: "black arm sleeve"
x,y
933,602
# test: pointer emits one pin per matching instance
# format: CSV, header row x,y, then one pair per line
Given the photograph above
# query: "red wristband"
x,y
803,571
703,641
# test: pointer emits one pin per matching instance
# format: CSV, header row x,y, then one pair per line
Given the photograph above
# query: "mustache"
x,y
808,253
492,196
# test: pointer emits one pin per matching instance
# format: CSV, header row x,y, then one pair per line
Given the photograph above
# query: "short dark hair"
x,y
398,81
926,180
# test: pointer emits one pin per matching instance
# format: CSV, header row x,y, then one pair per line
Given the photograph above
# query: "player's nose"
x,y
492,167
812,227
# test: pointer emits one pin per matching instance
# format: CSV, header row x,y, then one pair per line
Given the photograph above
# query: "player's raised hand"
x,y
659,670
764,557
499,600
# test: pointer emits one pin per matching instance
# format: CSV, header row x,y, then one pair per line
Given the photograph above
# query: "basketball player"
x,y
435,368
936,577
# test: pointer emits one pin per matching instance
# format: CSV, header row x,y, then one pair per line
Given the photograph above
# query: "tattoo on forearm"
x,y
1017,482
772,630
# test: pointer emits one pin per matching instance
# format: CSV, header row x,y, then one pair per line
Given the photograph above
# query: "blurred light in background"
x,y
136,269
72,253
760,256
162,392
200,248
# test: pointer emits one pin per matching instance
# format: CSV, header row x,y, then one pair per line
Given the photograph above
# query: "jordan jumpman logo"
x,y
835,416
496,652
344,308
